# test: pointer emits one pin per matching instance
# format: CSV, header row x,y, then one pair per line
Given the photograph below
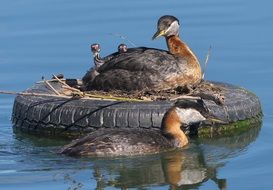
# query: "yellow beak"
x,y
158,34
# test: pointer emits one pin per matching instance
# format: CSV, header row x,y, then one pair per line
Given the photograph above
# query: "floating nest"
x,y
58,107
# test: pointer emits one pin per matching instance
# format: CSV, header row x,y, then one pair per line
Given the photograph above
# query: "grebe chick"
x,y
98,61
148,68
95,48
122,48
129,141
93,72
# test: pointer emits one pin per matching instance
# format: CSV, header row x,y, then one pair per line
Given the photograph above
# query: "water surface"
x,y
40,38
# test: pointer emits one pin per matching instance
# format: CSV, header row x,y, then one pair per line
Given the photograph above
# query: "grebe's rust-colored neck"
x,y
177,47
193,73
171,127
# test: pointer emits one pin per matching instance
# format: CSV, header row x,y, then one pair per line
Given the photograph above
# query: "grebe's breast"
x,y
140,68
118,142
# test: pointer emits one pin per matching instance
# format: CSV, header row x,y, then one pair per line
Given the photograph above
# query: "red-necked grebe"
x,y
95,49
129,141
147,68
98,61
93,71
122,48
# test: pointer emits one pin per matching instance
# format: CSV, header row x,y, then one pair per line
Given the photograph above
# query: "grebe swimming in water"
x,y
150,69
130,141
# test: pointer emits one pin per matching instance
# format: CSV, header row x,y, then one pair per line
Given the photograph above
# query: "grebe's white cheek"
x,y
173,29
189,115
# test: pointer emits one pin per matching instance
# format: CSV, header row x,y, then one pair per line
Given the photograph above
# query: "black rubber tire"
x,y
57,116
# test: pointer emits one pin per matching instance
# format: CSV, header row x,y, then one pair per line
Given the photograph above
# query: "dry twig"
x,y
65,85
206,62
51,87
123,38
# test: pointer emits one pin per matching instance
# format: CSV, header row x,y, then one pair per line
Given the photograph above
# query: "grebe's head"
x,y
179,117
167,26
95,48
122,48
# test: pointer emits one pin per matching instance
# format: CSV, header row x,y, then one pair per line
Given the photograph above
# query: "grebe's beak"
x,y
158,34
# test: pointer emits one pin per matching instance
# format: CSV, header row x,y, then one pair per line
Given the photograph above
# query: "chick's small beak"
x,y
158,34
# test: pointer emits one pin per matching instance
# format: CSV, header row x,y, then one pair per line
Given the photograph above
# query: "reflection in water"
x,y
189,168
184,169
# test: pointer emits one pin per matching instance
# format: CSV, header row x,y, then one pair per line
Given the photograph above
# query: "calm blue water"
x,y
39,38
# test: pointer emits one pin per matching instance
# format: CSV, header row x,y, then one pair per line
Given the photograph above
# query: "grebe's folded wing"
x,y
140,59
139,69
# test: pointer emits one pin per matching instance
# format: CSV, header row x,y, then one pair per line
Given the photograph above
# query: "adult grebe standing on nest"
x,y
150,69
